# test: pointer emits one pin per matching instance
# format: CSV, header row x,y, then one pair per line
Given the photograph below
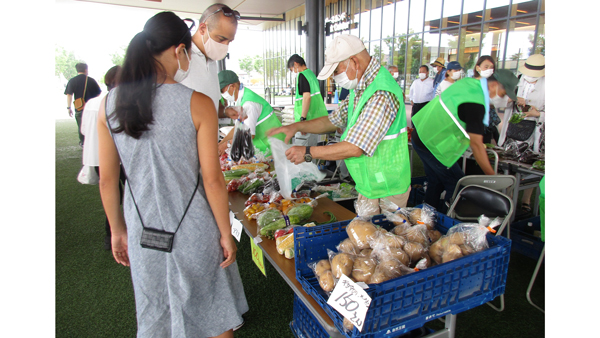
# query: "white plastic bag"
x,y
87,175
290,175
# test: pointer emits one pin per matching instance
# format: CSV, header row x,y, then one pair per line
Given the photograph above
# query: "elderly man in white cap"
x,y
374,145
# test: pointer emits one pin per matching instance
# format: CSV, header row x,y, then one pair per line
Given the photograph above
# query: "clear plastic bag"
x,y
241,146
341,263
474,234
322,270
289,174
360,231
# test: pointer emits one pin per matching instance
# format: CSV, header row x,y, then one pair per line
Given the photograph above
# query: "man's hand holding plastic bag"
x,y
290,175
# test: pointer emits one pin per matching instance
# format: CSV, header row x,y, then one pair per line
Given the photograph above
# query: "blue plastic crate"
x,y
523,241
408,302
305,324
417,194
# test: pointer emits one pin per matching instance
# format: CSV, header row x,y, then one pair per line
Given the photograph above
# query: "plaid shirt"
x,y
376,116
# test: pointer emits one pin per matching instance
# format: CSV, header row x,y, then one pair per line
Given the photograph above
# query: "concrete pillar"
x,y
315,36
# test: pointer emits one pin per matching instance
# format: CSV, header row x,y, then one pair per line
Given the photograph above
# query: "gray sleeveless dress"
x,y
184,293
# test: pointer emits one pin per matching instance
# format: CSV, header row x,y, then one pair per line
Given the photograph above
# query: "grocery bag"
x,y
290,175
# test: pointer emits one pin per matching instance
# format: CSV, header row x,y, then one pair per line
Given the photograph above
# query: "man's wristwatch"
x,y
307,155
303,119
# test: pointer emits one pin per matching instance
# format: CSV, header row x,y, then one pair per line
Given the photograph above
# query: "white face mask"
x,y
486,73
456,75
530,79
181,74
343,80
434,70
214,50
395,75
499,102
422,76
228,97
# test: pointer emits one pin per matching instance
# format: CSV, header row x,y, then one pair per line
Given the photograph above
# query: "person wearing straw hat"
x,y
453,122
256,112
439,66
374,144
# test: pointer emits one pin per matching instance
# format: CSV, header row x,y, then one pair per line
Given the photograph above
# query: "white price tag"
x,y
236,226
351,301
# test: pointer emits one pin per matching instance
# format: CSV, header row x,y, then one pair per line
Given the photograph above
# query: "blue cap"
x,y
454,65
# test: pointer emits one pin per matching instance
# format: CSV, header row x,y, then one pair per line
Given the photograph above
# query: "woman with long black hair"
x,y
174,229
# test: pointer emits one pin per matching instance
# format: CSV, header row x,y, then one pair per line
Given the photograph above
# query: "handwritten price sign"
x,y
351,301
236,226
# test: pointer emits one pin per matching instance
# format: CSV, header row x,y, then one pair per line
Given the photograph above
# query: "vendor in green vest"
x,y
374,145
255,112
453,122
308,101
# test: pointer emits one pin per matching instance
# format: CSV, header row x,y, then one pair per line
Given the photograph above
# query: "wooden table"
x,y
286,267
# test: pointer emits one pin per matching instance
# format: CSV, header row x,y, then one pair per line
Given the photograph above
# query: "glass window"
x,y
386,52
496,9
413,60
417,11
375,49
520,44
492,41
355,15
524,7
365,21
376,20
399,53
451,17
469,47
401,25
449,44
387,23
430,49
472,11
540,45
433,12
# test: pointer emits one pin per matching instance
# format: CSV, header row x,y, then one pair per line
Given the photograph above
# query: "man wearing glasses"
x,y
217,28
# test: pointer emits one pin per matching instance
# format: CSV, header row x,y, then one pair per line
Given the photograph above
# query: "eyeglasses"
x,y
228,12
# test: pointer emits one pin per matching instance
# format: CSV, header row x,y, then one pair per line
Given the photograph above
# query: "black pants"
x,y
121,185
416,107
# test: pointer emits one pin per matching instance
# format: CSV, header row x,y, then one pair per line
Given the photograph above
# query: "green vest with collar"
x,y
266,121
387,172
439,127
317,105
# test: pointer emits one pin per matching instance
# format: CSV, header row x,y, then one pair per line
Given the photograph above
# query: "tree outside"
x,y
118,57
64,62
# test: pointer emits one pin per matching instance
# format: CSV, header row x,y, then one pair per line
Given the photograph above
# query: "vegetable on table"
x,y
269,229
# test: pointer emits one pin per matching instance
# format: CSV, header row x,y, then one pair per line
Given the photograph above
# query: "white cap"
x,y
340,49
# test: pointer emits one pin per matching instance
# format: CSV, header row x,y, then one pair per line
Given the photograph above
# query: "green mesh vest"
x,y
266,121
387,172
317,106
438,125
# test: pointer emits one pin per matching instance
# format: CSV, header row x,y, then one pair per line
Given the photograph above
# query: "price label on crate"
x,y
236,226
351,301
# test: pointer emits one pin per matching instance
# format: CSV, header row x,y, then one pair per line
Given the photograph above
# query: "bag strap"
x,y
84,88
129,181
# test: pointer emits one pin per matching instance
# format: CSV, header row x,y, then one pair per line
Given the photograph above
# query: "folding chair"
x,y
541,259
500,183
473,201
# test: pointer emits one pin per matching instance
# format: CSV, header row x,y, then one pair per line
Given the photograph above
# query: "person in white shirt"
x,y
421,90
89,128
216,30
453,74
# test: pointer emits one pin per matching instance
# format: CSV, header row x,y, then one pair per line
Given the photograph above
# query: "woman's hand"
x,y
222,147
119,248
229,250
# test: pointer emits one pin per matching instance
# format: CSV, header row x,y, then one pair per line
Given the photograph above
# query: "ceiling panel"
x,y
248,8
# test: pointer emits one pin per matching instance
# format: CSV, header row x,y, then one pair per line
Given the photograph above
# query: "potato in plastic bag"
x,y
360,231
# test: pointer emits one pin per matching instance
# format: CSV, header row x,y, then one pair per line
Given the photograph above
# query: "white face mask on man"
x,y
181,74
530,79
228,97
214,50
422,76
343,80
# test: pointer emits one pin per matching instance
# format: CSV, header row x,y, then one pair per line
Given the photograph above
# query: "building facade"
x,y
409,33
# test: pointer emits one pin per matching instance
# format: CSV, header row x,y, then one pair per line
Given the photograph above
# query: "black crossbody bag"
x,y
154,239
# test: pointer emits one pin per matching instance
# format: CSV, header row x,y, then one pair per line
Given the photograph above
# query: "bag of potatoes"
x,y
360,231
341,263
322,270
473,235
